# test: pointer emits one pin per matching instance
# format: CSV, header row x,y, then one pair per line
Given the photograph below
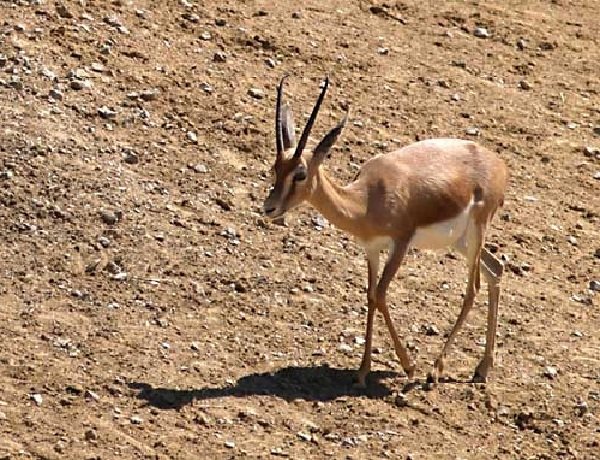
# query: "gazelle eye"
x,y
300,175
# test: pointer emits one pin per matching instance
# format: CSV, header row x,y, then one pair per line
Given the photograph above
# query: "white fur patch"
x,y
435,236
442,234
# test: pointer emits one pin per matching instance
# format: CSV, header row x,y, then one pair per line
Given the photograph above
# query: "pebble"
x,y
37,398
524,84
271,62
63,11
195,346
256,93
106,113
149,94
199,168
136,420
481,32
89,394
131,158
595,285
80,84
521,44
220,22
550,372
472,131
55,94
431,330
121,276
206,36
220,56
229,444
192,136
345,348
109,217
91,435
383,50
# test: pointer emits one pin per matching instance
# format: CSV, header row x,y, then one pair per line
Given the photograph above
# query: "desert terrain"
x,y
147,310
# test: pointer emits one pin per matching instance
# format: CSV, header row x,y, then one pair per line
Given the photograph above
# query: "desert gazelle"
x,y
431,194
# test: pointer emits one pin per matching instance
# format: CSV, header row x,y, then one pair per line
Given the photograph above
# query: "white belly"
x,y
442,234
435,236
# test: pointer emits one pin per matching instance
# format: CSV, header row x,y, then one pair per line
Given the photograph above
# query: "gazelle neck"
x,y
343,206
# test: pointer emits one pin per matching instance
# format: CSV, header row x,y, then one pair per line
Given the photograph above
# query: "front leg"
x,y
389,271
365,365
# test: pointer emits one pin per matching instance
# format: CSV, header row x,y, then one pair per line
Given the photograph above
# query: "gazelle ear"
x,y
288,127
321,150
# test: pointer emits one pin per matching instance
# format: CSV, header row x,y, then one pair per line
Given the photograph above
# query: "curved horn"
x,y
278,133
311,121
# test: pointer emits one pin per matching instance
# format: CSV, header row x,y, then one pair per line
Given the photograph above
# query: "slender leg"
x,y
389,271
492,269
365,365
475,240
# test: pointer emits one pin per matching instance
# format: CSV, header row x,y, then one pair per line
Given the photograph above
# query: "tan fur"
x,y
444,190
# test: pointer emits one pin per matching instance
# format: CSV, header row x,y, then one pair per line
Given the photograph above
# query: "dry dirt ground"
x,y
146,311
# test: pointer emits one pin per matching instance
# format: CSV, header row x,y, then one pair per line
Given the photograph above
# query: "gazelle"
x,y
432,194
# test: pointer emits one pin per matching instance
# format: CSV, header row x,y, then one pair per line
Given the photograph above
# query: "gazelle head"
x,y
294,175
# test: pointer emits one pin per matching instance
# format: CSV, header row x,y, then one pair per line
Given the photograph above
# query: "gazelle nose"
x,y
269,210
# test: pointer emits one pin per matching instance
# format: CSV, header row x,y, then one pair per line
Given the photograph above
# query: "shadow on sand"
x,y
321,383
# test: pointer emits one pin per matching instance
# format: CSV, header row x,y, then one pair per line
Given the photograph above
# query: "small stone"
x,y
524,84
550,372
109,217
106,113
401,400
104,241
595,285
271,62
91,435
89,394
36,398
63,12
120,276
97,67
590,151
149,95
195,346
296,15
165,345
220,56
358,340
205,36
597,130
192,136
383,50
572,125
220,22
80,84
192,17
572,240
131,158
304,436
136,420
199,168
521,44
256,93
472,131
345,348
55,94
230,444
206,88
431,330
481,32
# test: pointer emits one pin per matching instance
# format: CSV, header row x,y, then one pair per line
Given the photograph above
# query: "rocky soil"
x,y
147,311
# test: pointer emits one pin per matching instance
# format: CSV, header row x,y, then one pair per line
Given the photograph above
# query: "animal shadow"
x,y
320,383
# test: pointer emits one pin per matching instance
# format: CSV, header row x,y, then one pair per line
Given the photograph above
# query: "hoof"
x,y
432,378
410,372
478,378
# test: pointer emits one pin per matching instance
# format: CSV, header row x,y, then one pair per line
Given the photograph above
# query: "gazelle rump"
x,y
432,194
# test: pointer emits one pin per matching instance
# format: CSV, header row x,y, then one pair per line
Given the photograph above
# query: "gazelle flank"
x,y
432,194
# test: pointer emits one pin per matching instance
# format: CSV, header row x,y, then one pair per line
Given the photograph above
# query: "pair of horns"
x,y
309,124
